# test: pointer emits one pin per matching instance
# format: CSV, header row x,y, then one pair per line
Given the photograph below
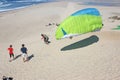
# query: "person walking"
x,y
10,49
24,53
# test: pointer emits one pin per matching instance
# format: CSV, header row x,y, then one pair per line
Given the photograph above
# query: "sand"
x,y
95,57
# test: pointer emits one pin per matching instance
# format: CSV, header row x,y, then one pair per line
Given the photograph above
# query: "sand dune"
x,y
92,56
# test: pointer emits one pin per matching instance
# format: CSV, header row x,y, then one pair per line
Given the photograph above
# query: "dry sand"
x,y
92,56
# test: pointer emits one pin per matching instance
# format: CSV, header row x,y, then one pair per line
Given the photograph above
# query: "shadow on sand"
x,y
30,57
83,43
17,56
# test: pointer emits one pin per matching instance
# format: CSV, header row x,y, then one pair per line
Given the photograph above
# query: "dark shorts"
x,y
11,55
46,39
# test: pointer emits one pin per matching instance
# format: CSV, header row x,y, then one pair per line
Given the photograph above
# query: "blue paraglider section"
x,y
88,11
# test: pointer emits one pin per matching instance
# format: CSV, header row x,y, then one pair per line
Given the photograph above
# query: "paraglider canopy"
x,y
80,22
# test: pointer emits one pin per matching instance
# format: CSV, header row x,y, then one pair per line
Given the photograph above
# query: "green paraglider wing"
x,y
80,22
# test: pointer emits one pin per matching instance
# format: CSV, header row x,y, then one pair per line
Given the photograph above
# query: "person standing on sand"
x,y
24,53
10,49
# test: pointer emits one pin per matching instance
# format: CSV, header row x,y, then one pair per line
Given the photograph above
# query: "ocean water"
x,y
6,5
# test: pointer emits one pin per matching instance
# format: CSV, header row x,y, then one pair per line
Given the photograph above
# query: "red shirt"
x,y
10,50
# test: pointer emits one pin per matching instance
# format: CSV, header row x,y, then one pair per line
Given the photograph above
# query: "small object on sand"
x,y
114,18
118,18
7,78
57,24
49,24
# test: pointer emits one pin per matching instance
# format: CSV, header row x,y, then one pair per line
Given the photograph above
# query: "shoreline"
x,y
106,4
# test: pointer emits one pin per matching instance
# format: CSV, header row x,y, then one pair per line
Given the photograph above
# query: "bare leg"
x,y
23,59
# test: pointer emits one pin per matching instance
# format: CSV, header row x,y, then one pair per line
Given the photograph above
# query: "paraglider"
x,y
80,22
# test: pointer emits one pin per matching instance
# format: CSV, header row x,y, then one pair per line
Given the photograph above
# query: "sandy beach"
x,y
60,60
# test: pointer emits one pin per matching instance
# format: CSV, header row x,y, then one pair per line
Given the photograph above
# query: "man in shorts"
x,y
10,49
24,53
